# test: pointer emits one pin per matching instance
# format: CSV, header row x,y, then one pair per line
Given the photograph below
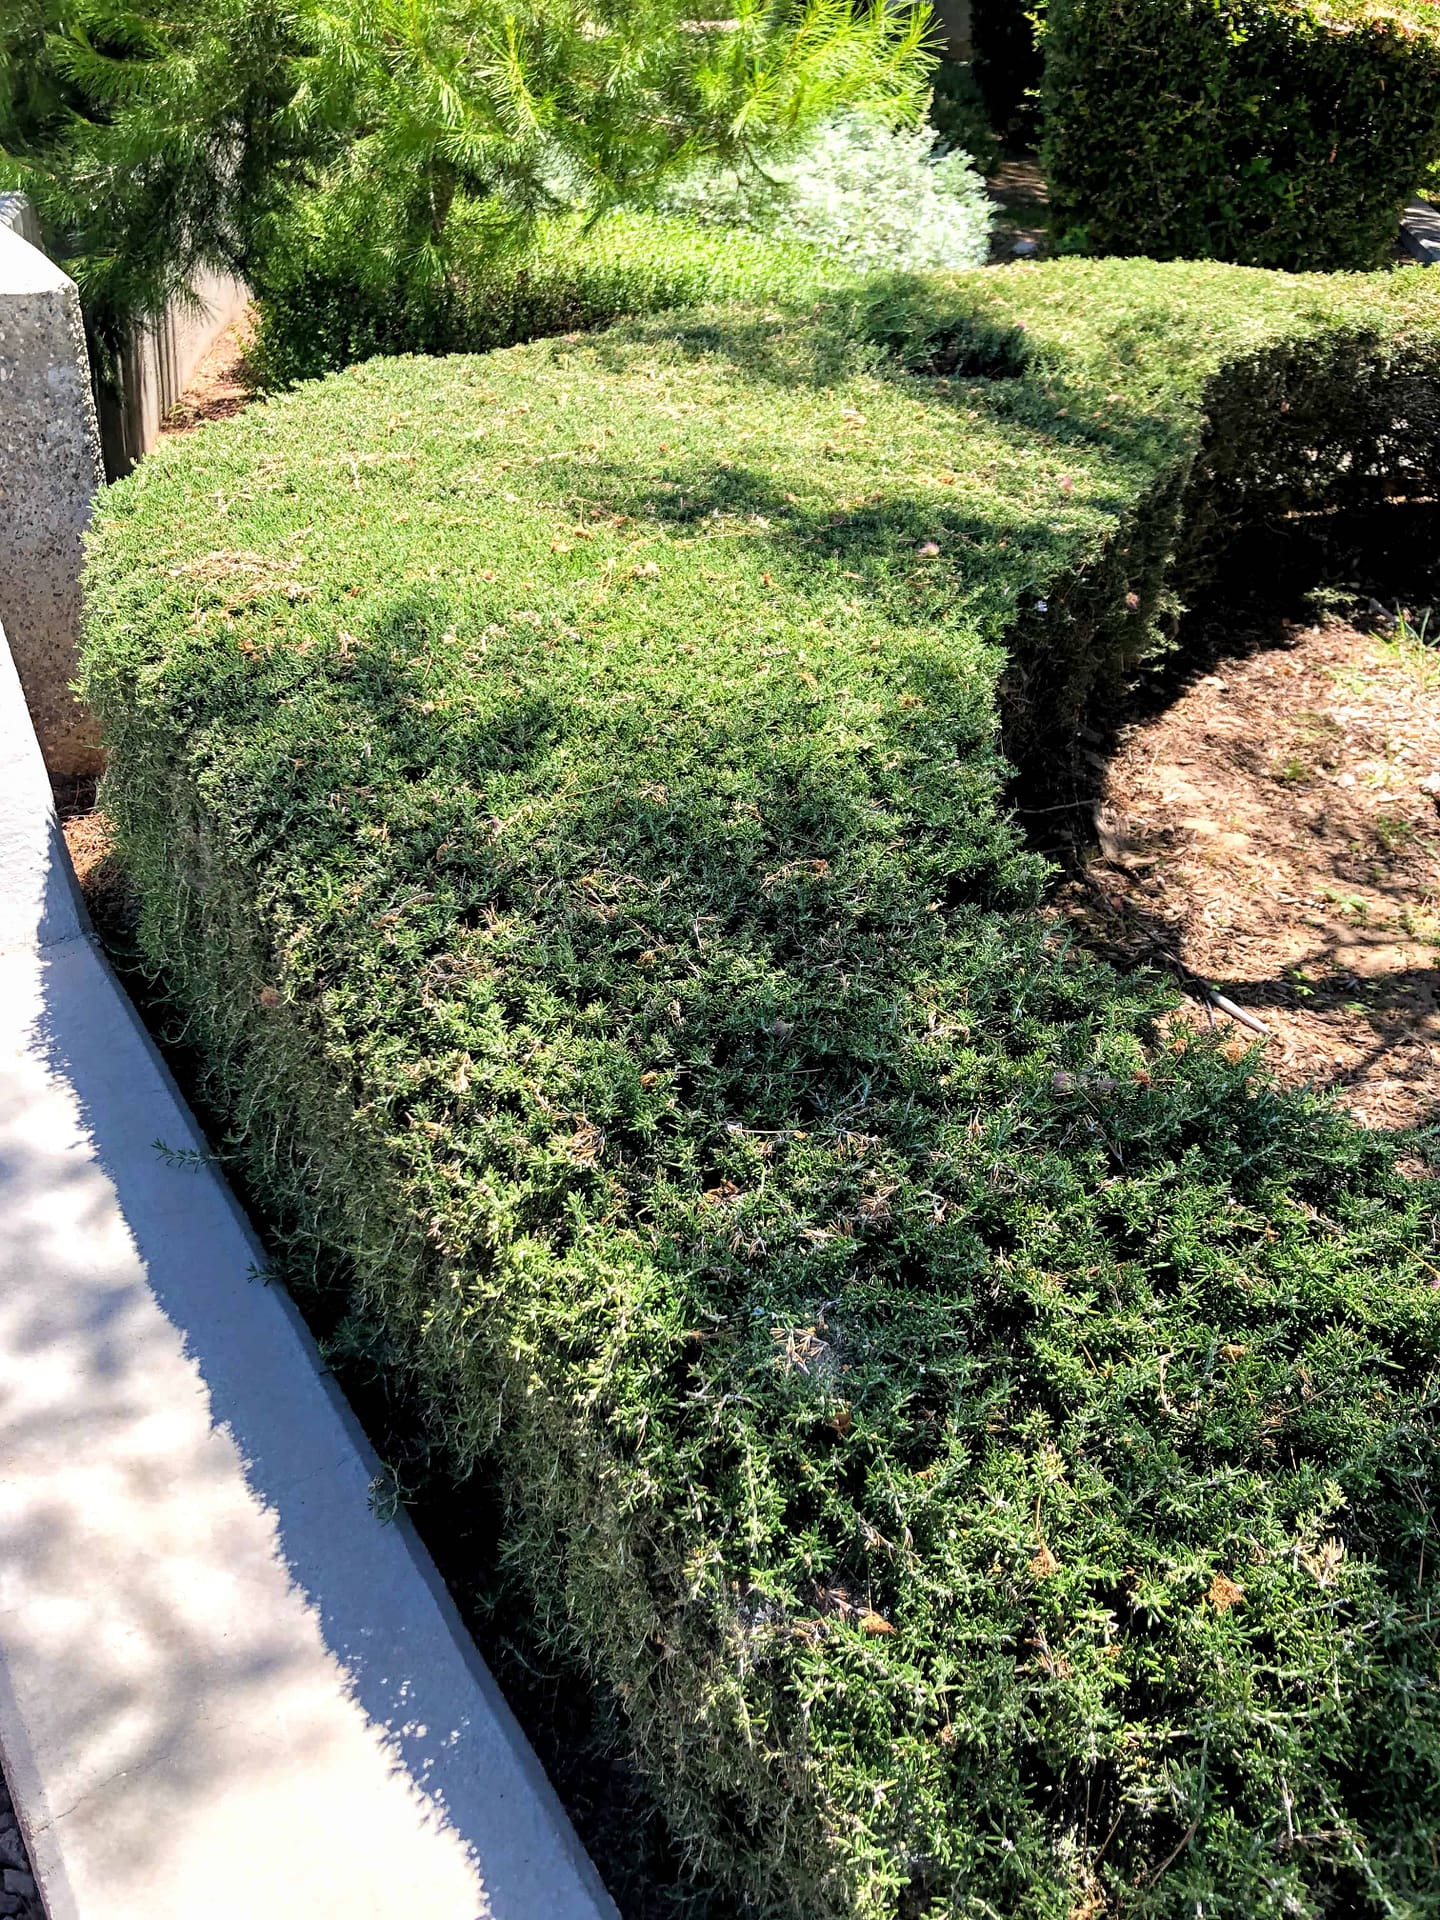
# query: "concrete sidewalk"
x,y
226,1688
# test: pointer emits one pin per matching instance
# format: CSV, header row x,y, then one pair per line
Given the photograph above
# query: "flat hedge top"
x,y
620,492
986,1451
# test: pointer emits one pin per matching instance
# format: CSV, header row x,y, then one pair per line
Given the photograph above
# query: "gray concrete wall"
x,y
18,215
49,472
158,362
954,19
56,449
157,366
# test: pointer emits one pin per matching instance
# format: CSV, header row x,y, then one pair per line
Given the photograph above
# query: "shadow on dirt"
x,y
1255,816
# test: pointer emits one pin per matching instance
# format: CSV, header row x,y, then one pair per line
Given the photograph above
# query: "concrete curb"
x,y
226,1687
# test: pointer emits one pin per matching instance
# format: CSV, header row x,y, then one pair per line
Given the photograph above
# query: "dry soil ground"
x,y
1276,831
220,384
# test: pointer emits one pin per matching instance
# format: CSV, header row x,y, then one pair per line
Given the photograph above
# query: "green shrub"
x,y
985,1447
855,197
160,138
325,300
1281,133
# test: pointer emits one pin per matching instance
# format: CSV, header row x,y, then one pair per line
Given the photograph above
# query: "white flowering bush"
x,y
865,195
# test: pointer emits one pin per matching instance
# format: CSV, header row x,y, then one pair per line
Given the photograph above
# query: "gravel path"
x,y
18,1900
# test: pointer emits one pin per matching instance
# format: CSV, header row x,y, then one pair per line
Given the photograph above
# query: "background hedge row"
x,y
329,297
339,285
1279,133
982,1442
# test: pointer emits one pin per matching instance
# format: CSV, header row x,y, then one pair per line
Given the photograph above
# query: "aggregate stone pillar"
x,y
49,473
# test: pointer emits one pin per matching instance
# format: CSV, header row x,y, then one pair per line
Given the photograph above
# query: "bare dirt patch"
x,y
90,840
222,383
1276,831
1022,208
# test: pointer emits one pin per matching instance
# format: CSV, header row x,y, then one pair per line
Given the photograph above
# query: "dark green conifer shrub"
x,y
984,1444
158,140
1008,65
1279,133
959,115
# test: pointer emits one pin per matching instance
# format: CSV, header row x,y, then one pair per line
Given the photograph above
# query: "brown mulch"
x,y
222,383
90,841
1277,831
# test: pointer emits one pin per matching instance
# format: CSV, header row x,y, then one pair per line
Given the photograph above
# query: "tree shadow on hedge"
x,y
899,330
1301,427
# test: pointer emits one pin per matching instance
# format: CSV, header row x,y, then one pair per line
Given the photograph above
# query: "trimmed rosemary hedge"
x,y
1279,133
985,1446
